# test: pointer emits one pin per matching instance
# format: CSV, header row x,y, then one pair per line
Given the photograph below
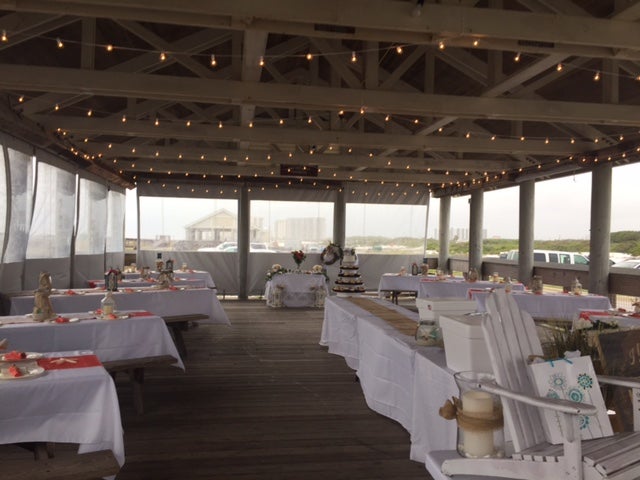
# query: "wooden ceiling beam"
x,y
145,166
164,87
374,20
184,151
82,126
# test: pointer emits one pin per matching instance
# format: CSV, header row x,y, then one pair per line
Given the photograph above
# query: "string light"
x,y
476,43
261,61
517,57
109,48
559,67
399,50
124,118
309,56
89,112
4,37
354,59
163,56
441,45
59,43
213,61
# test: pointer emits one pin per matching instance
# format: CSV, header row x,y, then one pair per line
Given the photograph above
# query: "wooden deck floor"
x,y
261,400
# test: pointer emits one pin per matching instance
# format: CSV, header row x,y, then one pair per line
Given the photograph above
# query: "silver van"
x,y
552,256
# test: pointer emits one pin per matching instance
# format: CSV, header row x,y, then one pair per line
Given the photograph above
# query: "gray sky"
x,y
562,211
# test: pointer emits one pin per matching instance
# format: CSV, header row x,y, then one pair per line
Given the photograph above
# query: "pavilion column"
x,y
243,242
339,218
443,232
600,239
525,231
475,230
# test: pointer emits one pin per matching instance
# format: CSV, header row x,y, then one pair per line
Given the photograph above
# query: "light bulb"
x,y
213,60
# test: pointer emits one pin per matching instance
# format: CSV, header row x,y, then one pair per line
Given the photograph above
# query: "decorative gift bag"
x,y
570,379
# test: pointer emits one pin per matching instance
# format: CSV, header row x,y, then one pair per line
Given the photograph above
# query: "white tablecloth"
x,y
393,282
162,302
561,306
140,282
119,339
457,288
399,378
298,289
200,275
77,405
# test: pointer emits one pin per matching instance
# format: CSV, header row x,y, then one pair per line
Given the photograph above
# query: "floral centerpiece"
x,y
276,269
298,256
320,270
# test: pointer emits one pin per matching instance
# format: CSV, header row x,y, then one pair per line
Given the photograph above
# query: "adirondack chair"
x,y
511,338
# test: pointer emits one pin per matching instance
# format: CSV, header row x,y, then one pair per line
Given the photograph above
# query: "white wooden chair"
x,y
511,338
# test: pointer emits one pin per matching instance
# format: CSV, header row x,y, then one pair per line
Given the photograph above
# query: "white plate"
x,y
30,356
27,373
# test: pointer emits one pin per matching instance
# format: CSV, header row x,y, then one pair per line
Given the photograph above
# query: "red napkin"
x,y
586,314
92,284
70,292
61,320
63,363
140,314
15,355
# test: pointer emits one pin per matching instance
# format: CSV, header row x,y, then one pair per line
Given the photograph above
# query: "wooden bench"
x,y
134,367
179,324
62,466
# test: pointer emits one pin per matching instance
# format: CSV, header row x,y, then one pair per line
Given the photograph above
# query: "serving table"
x,y
141,282
399,378
296,290
458,288
562,306
395,284
140,334
163,302
188,274
72,403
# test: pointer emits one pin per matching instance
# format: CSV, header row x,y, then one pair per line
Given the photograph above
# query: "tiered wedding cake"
x,y
349,281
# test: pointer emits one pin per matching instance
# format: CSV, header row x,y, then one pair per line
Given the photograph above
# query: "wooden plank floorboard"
x,y
260,399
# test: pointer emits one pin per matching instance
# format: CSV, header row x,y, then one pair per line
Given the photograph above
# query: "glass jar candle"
x,y
479,416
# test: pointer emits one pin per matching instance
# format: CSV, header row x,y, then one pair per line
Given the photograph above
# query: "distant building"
x,y
294,232
457,234
221,226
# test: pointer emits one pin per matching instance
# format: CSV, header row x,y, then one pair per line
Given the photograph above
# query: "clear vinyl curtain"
x,y
53,213
21,181
92,218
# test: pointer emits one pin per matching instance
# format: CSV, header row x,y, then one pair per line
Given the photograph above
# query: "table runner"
x,y
392,317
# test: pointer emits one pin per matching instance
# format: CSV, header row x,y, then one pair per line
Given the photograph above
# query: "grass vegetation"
x,y
623,242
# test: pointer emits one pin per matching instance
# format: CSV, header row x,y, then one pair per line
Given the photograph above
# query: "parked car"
x,y
553,256
631,263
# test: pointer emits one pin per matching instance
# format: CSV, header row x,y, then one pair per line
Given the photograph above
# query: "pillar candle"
x,y
478,404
